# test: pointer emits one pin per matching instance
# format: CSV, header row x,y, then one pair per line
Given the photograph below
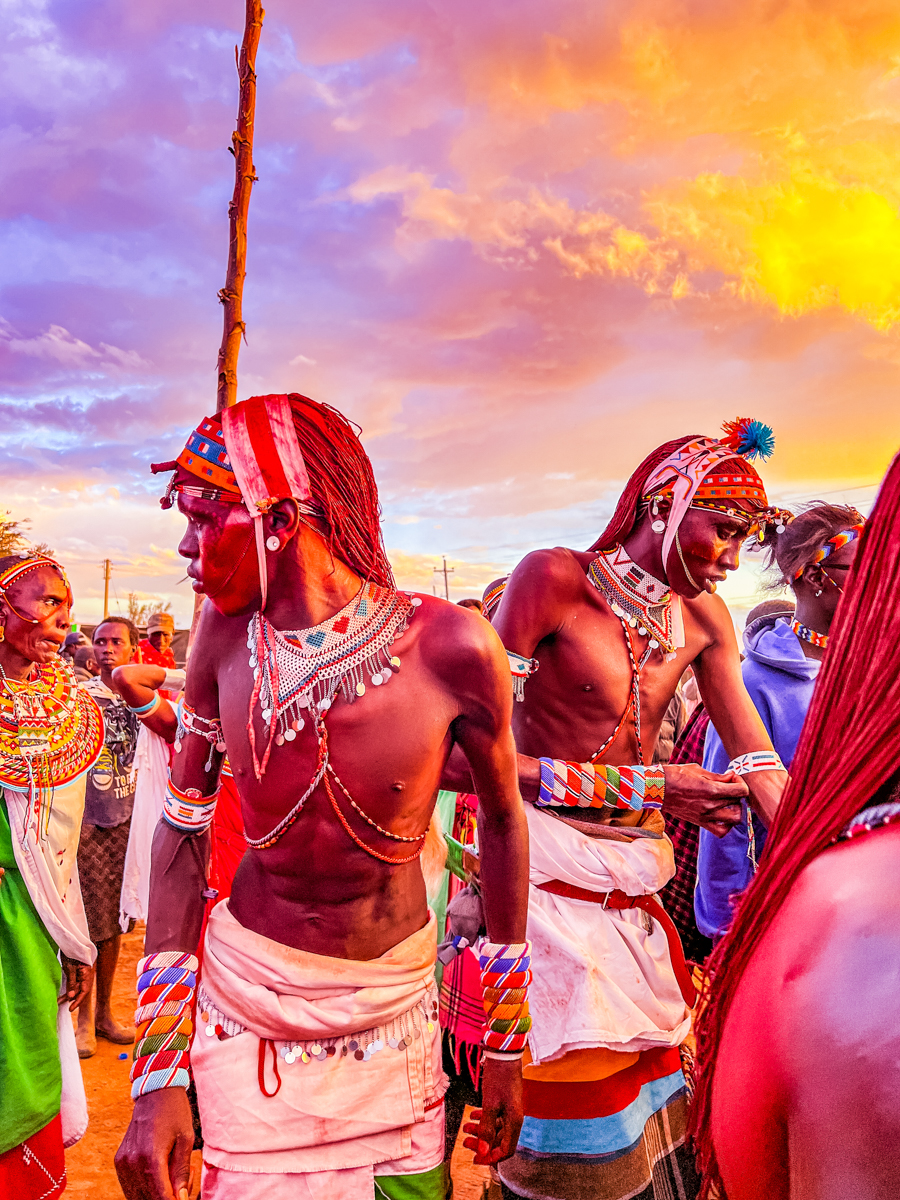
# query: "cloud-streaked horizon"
x,y
519,244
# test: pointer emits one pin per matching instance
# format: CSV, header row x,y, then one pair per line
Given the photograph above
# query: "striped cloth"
x,y
678,894
604,1125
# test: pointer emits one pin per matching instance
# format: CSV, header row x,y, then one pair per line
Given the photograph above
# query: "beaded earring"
x,y
2,633
659,525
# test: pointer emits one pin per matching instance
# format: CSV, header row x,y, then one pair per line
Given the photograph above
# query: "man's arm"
x,y
480,678
738,724
534,606
138,685
153,1162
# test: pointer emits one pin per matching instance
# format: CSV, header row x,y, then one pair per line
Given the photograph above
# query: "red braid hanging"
x,y
625,517
850,746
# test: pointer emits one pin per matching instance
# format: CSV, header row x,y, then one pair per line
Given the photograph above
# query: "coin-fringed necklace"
x,y
298,674
51,732
643,604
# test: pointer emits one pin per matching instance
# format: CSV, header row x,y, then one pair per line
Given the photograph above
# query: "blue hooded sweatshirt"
x,y
780,680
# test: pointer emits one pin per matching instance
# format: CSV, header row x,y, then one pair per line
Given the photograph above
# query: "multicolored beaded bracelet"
x,y
589,785
188,811
167,982
505,976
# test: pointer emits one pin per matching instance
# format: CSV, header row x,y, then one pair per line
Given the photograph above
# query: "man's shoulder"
x,y
556,568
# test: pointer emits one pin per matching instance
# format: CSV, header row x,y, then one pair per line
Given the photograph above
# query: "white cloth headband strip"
x,y
262,484
689,465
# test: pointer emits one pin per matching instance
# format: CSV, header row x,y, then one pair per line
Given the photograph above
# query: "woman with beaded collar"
x,y
51,733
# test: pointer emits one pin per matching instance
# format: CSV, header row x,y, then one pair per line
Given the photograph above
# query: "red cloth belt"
x,y
649,904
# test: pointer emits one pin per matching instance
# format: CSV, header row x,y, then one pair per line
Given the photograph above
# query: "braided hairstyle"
x,y
848,750
341,480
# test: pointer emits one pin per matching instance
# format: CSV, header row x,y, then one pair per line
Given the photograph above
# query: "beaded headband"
x,y
834,543
30,562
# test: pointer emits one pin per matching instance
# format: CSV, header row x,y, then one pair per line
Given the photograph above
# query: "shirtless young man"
x,y
598,641
317,1061
799,1048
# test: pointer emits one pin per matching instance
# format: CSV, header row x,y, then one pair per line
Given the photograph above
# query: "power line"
x,y
446,572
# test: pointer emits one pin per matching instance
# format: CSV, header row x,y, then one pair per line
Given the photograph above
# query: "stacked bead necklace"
x,y
644,606
51,732
298,674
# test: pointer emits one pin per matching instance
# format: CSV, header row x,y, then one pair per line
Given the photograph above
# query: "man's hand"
x,y
704,798
79,980
154,1160
495,1126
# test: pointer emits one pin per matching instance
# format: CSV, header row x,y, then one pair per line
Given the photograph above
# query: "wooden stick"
x,y
231,295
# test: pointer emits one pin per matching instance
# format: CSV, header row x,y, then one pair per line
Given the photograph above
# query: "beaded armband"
x,y
166,985
520,668
505,977
589,785
757,760
188,811
208,728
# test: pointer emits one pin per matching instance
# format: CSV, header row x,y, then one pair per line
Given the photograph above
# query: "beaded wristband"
x,y
505,976
757,760
147,710
189,811
167,982
520,668
588,785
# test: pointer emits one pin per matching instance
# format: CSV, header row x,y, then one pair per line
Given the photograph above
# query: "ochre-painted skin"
x,y
806,1097
42,596
315,889
551,611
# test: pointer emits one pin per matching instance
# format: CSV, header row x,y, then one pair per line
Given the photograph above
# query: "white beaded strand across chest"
x,y
298,673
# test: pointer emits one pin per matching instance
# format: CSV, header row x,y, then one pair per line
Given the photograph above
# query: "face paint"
x,y
219,543
707,547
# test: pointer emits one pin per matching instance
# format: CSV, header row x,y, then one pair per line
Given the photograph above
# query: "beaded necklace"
x,y
869,819
51,732
643,604
635,596
805,634
299,672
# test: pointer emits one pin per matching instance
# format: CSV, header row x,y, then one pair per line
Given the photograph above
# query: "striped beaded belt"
x,y
650,905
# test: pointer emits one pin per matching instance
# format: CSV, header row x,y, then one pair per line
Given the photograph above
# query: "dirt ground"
x,y
90,1161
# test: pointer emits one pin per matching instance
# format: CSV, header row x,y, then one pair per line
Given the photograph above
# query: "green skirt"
x,y
30,976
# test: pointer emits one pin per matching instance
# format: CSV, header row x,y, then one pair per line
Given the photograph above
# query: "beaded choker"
x,y
298,674
805,634
635,596
51,731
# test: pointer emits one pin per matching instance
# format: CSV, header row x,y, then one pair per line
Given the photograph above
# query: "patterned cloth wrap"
x,y
593,785
167,982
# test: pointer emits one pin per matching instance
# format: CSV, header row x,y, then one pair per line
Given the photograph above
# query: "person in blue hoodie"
x,y
783,654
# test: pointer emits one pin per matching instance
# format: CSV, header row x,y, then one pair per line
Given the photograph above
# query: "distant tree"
x,y
12,535
14,540
139,612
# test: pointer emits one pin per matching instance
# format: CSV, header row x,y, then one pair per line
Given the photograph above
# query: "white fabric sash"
x,y
151,762
600,978
49,866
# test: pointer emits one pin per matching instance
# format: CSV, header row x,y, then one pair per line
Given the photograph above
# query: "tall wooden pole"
x,y
231,295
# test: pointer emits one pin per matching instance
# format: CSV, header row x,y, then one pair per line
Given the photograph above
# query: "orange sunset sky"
x,y
519,243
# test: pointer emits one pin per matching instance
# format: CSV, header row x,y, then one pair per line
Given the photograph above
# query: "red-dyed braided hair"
x,y
849,748
341,479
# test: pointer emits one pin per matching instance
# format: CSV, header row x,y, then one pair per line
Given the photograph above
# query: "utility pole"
x,y
107,570
446,572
